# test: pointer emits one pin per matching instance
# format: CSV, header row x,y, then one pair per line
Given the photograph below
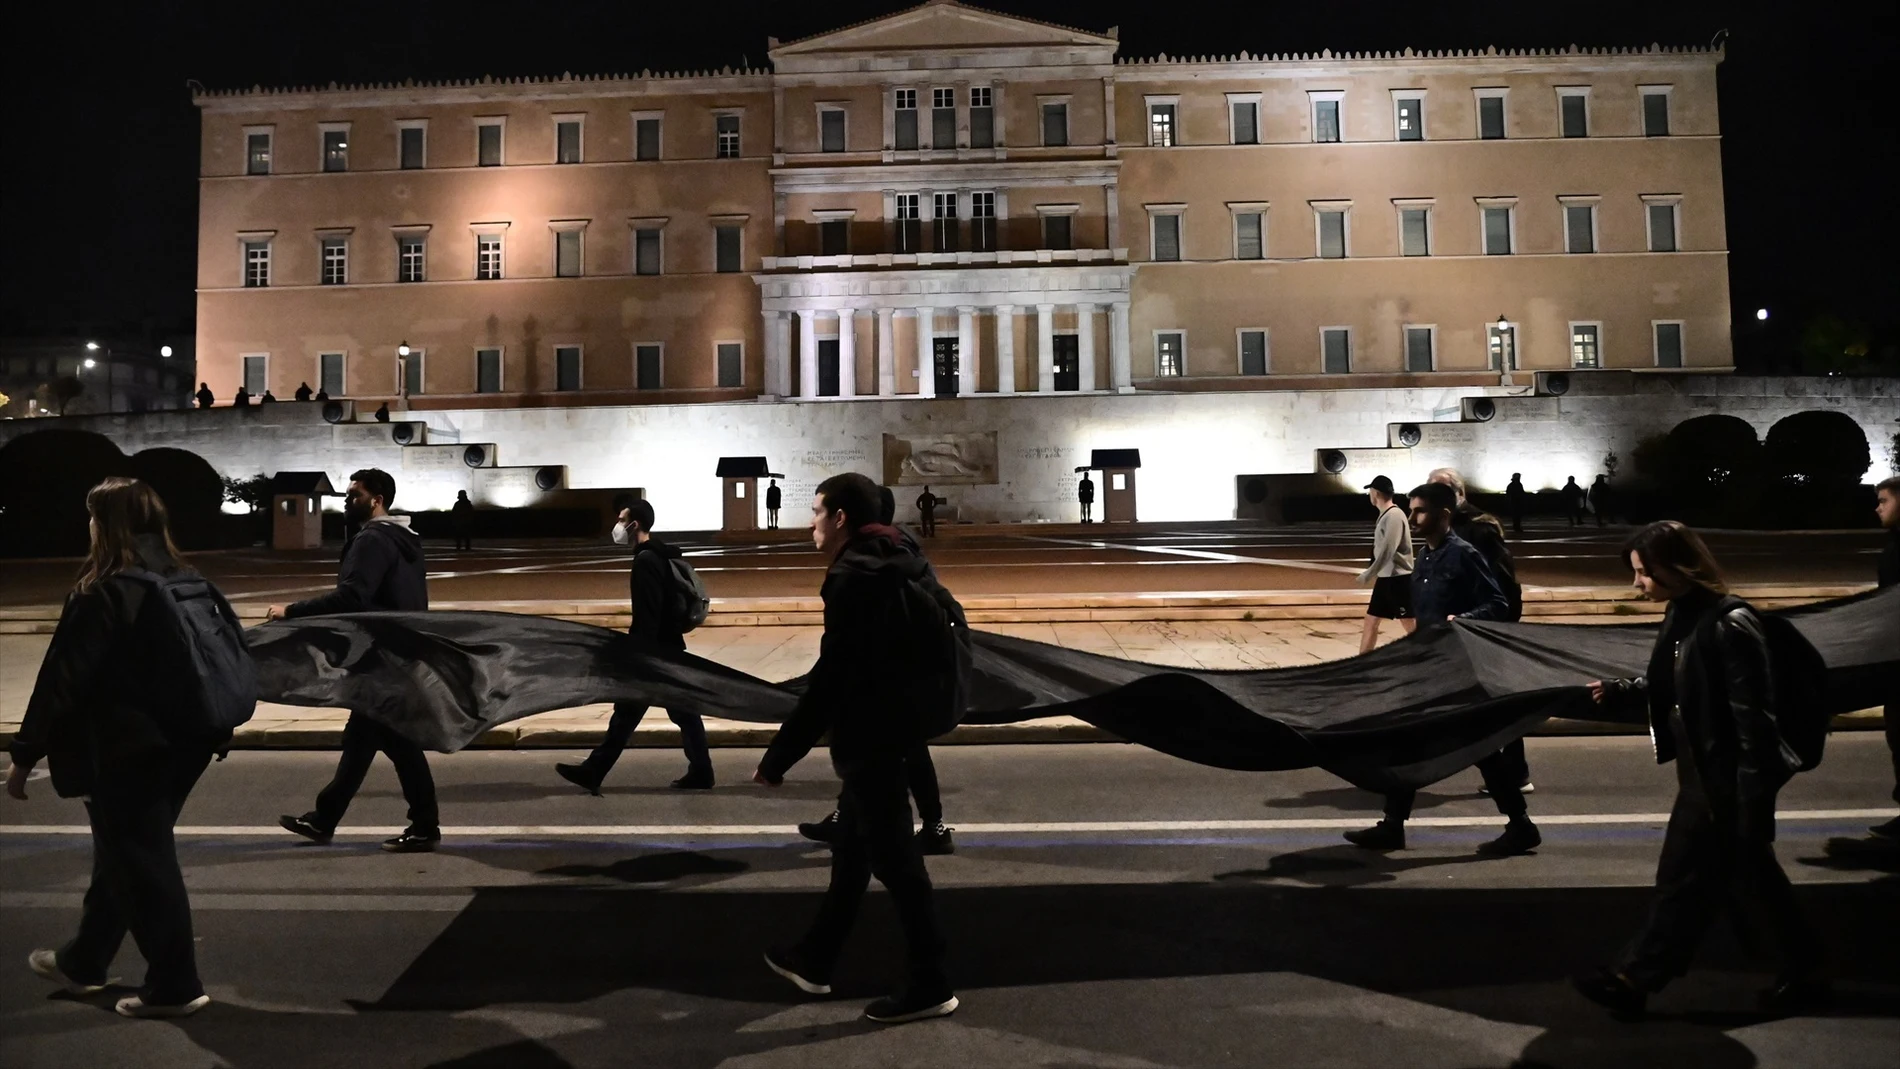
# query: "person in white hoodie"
x,y
1391,570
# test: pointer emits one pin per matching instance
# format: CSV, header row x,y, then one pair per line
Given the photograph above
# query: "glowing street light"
x,y
91,363
402,349
1761,315
165,351
92,346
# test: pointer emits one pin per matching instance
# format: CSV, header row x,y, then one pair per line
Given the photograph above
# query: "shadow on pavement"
x,y
1345,866
1354,800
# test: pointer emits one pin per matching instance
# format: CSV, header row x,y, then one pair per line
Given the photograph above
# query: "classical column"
x,y
782,334
886,353
808,353
847,352
1005,348
1045,348
774,356
926,364
966,350
1085,346
1121,366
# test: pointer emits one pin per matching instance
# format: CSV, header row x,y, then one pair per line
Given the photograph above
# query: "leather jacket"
x,y
1712,663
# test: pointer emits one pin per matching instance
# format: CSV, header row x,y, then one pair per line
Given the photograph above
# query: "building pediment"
x,y
941,27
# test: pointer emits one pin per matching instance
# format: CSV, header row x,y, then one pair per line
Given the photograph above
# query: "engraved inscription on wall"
x,y
948,459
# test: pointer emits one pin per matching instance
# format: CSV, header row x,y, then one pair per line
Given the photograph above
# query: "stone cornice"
x,y
484,89
1328,62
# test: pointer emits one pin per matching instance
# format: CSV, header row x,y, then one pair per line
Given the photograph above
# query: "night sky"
x,y
103,194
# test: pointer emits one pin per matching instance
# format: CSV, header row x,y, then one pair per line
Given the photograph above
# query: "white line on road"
x,y
1203,555
1005,828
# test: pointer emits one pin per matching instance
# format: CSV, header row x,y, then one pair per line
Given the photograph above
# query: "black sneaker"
x,y
579,777
786,963
1385,835
695,779
307,828
823,831
1612,991
1520,837
912,1005
935,841
410,842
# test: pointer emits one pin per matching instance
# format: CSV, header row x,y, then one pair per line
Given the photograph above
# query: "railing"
x,y
946,259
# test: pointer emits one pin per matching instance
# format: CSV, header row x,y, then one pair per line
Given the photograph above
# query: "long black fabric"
x,y
1403,716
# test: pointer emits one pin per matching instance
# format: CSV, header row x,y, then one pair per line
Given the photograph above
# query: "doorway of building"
x,y
828,367
1068,361
945,351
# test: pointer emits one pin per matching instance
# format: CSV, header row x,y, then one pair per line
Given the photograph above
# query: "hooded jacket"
x,y
382,570
1486,535
857,689
651,584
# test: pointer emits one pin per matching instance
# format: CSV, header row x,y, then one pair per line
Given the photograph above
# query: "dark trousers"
x,y
362,738
1087,507
464,540
921,773
1893,743
626,719
137,885
1703,868
1504,774
771,519
874,839
928,521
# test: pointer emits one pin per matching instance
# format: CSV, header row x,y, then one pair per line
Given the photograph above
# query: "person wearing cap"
x,y
1390,572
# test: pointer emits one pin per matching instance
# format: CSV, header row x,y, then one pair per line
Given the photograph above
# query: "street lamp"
x,y
402,374
92,346
91,363
1761,315
165,351
1507,349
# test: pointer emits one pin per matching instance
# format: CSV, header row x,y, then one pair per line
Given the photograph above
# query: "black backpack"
x,y
935,654
1800,675
214,685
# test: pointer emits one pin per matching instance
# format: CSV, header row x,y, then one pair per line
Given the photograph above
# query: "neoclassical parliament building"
x,y
951,201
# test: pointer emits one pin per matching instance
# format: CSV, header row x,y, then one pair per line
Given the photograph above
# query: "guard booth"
x,y
1117,489
740,488
296,507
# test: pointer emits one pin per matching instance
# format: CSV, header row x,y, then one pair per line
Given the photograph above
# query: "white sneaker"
x,y
1527,788
46,963
138,1007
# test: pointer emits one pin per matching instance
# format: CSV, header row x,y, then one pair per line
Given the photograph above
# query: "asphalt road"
x,y
1108,906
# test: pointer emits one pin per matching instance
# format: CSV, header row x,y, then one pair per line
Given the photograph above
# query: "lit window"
x,y
488,256
257,152
727,147
256,264
1584,351
409,259
1161,125
336,150
1170,359
1408,117
336,261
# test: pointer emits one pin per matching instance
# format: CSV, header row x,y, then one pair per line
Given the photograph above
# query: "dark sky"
x,y
102,194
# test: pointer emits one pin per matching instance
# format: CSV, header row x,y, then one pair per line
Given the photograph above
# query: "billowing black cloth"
x,y
1405,715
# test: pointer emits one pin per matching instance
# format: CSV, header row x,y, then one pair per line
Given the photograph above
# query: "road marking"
x,y
1203,555
1001,828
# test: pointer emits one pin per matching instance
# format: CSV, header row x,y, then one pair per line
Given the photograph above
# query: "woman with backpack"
x,y
118,727
1717,709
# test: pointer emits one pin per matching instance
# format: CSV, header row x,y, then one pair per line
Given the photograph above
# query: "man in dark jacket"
x,y
1450,579
382,571
773,498
657,619
927,503
861,692
1486,535
1085,496
204,395
462,520
1883,839
1573,496
1514,495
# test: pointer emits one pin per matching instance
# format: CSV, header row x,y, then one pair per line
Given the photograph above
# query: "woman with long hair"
x,y
104,717
1710,690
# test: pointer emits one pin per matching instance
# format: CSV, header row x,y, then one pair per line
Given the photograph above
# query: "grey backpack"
x,y
690,602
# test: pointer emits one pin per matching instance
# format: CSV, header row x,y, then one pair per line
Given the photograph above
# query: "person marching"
x,y
1883,839
1714,708
1391,570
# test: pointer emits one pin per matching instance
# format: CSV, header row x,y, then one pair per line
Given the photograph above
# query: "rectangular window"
x,y
943,118
943,220
256,264
1584,351
726,145
1408,117
330,374
1497,231
488,256
983,222
409,259
730,356
1161,125
567,367
646,139
1332,235
1502,343
257,153
336,261
412,369
1662,227
256,374
906,119
646,252
1250,235
1170,358
1055,124
982,117
1669,345
1167,231
1335,345
1580,228
410,144
831,130
1575,108
1326,118
567,141
910,236
1245,115
488,371
1415,231
1058,232
1491,118
646,367
488,144
336,150
567,254
834,237
1655,114
1418,348
1253,352
726,249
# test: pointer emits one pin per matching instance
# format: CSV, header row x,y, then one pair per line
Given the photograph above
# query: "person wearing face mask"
x,y
657,622
382,570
